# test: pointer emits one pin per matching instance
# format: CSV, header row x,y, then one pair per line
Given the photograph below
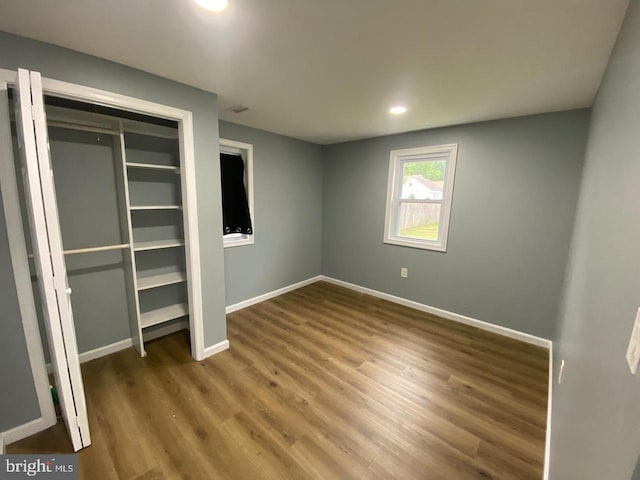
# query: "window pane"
x,y
419,220
423,179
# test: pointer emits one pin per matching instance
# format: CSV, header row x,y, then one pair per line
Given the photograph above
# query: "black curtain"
x,y
236,217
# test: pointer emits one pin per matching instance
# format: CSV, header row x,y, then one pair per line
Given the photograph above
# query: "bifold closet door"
x,y
48,253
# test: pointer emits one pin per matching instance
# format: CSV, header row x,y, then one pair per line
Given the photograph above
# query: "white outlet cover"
x,y
633,352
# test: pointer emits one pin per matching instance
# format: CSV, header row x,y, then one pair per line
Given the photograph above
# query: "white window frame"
x,y
394,190
245,150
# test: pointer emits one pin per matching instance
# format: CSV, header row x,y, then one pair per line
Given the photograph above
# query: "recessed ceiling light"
x,y
213,5
397,110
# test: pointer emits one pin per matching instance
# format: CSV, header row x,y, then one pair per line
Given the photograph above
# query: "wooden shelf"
x,y
155,207
152,166
157,245
146,283
161,315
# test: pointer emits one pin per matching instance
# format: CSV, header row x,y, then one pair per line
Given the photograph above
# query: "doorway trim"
x,y
184,119
17,243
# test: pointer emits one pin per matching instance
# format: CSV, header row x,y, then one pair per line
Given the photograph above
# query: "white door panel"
x,y
48,253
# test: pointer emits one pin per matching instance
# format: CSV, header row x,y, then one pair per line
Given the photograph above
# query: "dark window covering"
x,y
236,217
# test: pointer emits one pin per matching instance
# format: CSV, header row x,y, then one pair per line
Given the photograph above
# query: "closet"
x,y
107,197
156,235
118,193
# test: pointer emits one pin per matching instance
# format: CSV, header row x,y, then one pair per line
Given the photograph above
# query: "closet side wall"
x,y
84,175
85,179
18,401
67,65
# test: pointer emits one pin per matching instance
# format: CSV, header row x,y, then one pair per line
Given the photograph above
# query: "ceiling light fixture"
x,y
238,108
397,110
213,5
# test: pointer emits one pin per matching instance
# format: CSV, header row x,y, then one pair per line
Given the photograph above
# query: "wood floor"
x,y
320,383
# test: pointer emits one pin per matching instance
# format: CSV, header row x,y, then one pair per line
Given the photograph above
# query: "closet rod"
x,y
106,248
84,128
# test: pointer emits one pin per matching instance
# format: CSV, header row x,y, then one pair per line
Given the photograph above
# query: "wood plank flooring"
x,y
320,383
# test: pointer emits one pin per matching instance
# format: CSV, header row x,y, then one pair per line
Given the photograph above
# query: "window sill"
x,y
436,247
238,243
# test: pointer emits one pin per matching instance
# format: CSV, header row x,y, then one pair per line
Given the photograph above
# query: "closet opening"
x,y
104,244
119,200
105,241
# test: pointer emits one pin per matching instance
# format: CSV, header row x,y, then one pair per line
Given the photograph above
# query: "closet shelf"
x,y
161,315
155,207
152,166
157,245
147,283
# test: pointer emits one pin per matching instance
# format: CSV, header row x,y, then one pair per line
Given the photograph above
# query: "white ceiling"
x,y
328,70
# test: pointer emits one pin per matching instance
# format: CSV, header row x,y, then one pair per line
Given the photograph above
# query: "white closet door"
x,y
48,254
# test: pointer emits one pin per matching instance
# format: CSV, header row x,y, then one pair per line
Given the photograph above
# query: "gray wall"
x,y
288,215
513,207
18,401
67,65
85,179
596,409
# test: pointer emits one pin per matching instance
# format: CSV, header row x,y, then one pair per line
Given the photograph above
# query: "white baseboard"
x,y
127,342
26,430
106,350
272,294
547,450
508,332
163,331
456,317
217,348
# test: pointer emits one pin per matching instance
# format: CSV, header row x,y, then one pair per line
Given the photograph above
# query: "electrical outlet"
x,y
404,272
561,372
633,352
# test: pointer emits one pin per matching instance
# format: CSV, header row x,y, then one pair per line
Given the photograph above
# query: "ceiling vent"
x,y
238,108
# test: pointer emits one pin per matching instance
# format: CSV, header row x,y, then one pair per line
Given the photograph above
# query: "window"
x,y
245,152
419,196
